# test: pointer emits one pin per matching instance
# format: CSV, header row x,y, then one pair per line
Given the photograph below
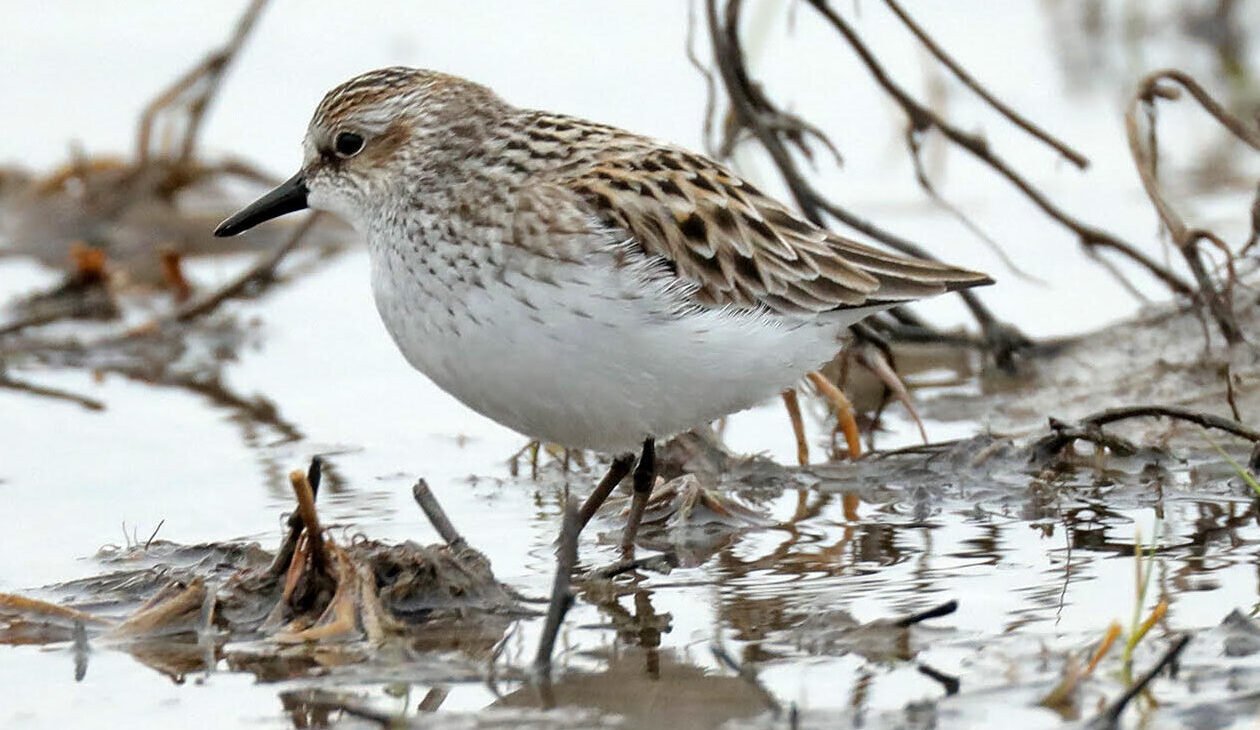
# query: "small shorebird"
x,y
575,282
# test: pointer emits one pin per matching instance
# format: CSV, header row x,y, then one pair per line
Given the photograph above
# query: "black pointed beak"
x,y
288,197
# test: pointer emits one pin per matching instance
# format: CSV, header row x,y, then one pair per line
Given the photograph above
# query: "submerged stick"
x,y
437,516
1110,716
937,611
561,594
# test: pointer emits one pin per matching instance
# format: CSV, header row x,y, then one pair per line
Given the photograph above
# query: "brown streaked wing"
x,y
739,246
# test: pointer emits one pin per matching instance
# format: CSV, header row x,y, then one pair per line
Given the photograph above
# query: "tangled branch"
x,y
1145,157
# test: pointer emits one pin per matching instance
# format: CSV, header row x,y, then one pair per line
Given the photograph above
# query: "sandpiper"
x,y
573,281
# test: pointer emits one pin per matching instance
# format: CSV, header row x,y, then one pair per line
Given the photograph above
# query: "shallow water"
x,y
1039,569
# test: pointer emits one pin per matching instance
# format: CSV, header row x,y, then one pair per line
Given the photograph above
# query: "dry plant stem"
x,y
1144,157
338,617
23,604
1109,640
1063,434
793,406
844,412
1076,158
1063,696
561,594
91,404
163,612
310,519
1090,429
437,516
204,79
922,118
1254,237
915,146
710,87
263,270
284,556
1207,420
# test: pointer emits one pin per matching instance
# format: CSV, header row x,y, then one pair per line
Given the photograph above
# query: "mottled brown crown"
x,y
394,91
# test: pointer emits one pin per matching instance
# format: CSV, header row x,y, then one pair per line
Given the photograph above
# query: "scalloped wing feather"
x,y
739,246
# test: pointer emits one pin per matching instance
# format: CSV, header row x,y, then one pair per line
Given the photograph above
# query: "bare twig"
x,y
1063,434
149,542
437,516
1254,236
314,475
198,88
1206,420
82,650
305,495
710,86
1090,429
9,383
923,118
915,146
1144,157
561,593
1076,158
264,270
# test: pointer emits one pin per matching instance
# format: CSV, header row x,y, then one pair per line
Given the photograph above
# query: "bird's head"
x,y
382,129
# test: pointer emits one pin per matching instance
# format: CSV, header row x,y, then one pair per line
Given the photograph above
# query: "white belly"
x,y
590,361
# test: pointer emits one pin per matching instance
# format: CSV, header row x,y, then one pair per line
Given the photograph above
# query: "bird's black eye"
x,y
348,144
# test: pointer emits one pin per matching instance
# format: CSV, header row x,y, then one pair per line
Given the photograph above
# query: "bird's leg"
x,y
644,477
798,425
617,471
845,420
